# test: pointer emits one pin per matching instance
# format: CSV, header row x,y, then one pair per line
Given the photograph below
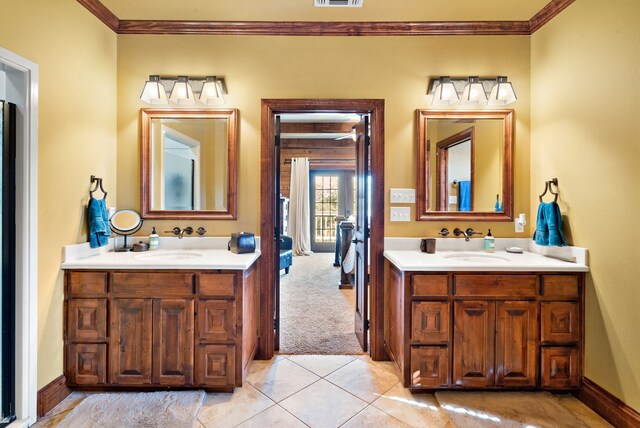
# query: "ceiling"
x,y
303,10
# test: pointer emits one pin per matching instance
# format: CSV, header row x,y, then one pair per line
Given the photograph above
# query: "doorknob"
x,y
357,241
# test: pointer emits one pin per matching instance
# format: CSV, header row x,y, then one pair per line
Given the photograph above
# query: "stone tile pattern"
x,y
333,391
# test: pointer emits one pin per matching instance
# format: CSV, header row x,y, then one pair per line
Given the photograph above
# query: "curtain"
x,y
299,212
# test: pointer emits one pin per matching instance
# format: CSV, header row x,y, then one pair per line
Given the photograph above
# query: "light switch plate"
x,y
453,199
400,213
403,196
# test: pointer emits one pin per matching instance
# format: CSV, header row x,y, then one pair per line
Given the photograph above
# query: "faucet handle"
x,y
176,231
188,230
201,231
444,231
471,232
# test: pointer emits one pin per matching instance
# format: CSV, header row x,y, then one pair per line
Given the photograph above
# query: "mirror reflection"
x,y
465,165
188,164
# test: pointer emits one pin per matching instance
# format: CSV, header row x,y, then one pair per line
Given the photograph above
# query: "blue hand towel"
x,y
98,223
464,196
549,226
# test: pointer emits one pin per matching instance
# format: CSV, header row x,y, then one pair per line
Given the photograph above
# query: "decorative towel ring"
x,y
548,188
98,185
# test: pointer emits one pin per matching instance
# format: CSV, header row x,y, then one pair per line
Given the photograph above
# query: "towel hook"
x,y
548,188
98,185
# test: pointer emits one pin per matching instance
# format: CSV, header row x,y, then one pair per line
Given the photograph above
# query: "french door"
x,y
331,193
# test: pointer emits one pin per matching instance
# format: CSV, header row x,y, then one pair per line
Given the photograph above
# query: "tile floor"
x,y
354,391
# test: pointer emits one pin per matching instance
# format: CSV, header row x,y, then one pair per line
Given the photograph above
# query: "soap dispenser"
x,y
489,243
154,240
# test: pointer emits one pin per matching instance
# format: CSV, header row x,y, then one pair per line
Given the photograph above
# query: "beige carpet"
x,y
315,316
174,409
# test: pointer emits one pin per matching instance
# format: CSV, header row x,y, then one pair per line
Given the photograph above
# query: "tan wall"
x,y
76,55
584,120
396,69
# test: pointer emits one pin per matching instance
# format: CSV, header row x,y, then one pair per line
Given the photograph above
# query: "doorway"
x,y
368,307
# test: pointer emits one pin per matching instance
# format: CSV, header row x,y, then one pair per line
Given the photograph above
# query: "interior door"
x,y
361,233
276,235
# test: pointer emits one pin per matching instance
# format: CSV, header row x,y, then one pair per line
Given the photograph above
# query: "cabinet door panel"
x,y
430,322
87,364
87,320
216,320
173,341
473,347
560,367
429,366
215,365
516,343
131,340
560,323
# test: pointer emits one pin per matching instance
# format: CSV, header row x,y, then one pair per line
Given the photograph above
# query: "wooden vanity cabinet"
x,y
485,330
130,329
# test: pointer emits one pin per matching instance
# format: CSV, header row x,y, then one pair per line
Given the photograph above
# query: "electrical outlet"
x,y
403,196
400,213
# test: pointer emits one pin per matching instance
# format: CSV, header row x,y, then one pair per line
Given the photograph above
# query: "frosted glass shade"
x,y
445,93
473,92
502,93
211,92
182,92
153,91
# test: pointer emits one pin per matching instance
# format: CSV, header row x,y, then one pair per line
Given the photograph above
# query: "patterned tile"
x,y
231,409
274,416
363,380
323,405
416,410
281,379
322,365
372,417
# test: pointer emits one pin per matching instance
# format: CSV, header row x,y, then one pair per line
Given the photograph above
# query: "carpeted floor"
x,y
315,316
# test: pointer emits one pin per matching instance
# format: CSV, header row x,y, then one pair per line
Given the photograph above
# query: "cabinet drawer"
x,y
429,366
215,365
217,285
560,368
559,287
87,320
81,284
495,285
429,285
560,322
87,364
216,320
153,284
430,322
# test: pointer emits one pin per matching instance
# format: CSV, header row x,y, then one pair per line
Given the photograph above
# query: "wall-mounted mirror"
x,y
189,163
465,165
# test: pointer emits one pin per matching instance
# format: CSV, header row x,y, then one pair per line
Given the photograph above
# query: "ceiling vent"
x,y
338,3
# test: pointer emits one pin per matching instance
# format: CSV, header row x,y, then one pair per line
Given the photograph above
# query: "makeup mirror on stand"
x,y
125,223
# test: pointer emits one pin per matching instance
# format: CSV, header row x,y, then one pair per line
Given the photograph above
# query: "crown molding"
x,y
304,28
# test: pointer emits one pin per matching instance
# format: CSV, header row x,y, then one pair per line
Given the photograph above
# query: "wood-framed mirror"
x,y
465,165
188,163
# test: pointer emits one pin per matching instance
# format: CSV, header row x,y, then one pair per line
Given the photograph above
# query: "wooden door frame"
x,y
442,166
269,108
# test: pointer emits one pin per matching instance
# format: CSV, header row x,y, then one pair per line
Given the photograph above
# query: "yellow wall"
x,y
396,69
584,132
76,55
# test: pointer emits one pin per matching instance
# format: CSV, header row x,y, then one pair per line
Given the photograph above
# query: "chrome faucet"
x,y
466,233
180,232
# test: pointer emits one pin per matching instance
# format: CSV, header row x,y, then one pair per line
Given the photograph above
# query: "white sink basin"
x,y
157,256
476,257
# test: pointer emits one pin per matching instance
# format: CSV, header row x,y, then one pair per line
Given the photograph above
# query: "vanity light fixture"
x,y
153,91
502,93
445,90
185,90
182,92
473,92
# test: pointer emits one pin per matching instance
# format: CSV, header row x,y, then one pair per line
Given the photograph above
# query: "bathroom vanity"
x,y
183,319
475,321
